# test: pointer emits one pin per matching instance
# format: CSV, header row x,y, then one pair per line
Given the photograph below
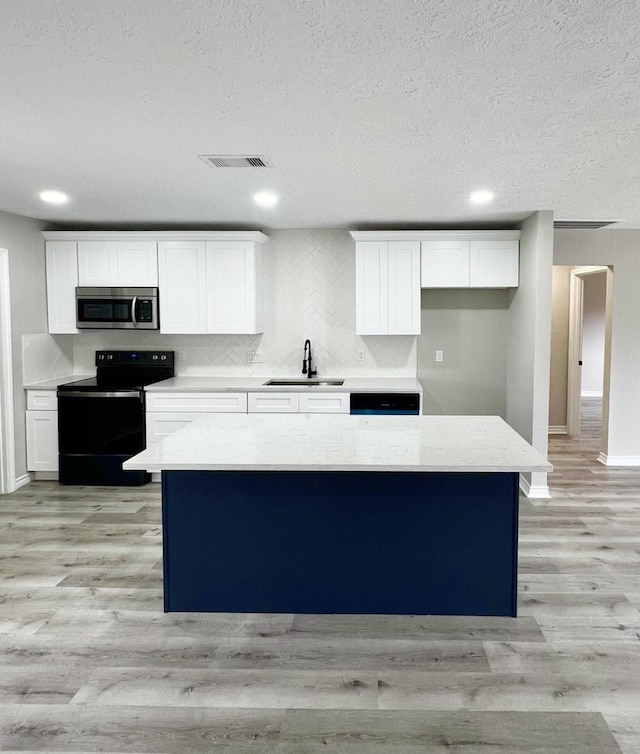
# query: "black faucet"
x,y
307,366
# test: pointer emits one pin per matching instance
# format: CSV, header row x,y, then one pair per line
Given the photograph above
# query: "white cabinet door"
x,y
404,287
97,263
182,280
372,307
445,264
42,440
118,263
494,264
233,282
138,264
277,403
324,403
62,279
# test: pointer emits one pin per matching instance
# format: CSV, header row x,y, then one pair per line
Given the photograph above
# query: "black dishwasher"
x,y
385,403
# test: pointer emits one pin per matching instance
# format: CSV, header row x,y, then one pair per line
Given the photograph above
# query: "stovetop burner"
x,y
126,369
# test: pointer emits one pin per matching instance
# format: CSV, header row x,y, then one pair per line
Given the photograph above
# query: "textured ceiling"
x,y
374,112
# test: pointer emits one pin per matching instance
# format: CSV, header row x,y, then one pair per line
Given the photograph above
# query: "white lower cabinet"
x,y
275,403
42,430
167,412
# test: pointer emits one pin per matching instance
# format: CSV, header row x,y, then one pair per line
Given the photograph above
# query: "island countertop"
x,y
303,442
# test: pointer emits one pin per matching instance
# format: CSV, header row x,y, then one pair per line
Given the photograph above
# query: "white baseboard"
x,y
619,460
23,480
558,429
538,492
591,394
48,476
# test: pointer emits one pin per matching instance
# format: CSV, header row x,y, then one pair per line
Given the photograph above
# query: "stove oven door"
x,y
97,432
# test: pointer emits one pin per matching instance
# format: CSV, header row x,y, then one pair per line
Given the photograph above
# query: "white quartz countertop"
x,y
253,384
312,442
55,381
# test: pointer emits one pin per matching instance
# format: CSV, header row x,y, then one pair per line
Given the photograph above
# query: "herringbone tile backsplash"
x,y
309,293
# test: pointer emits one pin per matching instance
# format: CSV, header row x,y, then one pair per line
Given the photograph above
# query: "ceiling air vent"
x,y
584,224
236,161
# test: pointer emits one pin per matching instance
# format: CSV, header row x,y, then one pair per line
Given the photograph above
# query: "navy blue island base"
x,y
340,542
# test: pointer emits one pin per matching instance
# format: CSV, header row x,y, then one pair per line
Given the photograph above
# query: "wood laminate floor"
x,y
90,663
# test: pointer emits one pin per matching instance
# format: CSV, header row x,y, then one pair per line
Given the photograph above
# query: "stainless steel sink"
x,y
306,383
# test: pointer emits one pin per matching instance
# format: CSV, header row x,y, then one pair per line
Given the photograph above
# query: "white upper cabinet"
x,y
493,264
404,287
372,308
470,259
117,263
393,265
387,288
62,279
234,289
445,264
211,286
182,280
208,281
138,264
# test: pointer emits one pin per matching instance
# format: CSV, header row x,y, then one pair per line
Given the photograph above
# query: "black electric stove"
x,y
101,420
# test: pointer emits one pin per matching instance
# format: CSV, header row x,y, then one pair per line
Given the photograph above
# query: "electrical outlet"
x,y
181,354
359,354
439,355
254,357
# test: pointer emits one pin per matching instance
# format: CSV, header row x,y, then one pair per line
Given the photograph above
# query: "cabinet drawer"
x,y
202,402
324,403
281,403
42,400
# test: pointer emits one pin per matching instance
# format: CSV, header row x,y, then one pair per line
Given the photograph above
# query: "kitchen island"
x,y
341,514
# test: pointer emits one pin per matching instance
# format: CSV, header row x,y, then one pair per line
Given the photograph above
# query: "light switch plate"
x,y
439,355
254,357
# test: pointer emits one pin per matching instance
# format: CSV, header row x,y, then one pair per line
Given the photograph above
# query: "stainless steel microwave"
x,y
117,308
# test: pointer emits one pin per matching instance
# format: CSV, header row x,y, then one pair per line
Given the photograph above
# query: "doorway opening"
x,y
581,352
589,348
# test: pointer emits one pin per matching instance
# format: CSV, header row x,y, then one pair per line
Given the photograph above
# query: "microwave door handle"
x,y
133,311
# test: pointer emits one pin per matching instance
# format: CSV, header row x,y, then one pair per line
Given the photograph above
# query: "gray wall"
x,y
621,250
22,237
529,338
470,326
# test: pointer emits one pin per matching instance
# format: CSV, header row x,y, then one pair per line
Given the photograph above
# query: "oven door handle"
x,y
134,303
101,394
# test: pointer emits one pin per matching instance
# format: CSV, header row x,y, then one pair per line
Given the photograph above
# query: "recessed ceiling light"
x,y
265,198
481,197
54,197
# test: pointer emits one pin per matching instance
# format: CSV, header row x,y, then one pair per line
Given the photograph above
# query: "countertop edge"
x,y
445,468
